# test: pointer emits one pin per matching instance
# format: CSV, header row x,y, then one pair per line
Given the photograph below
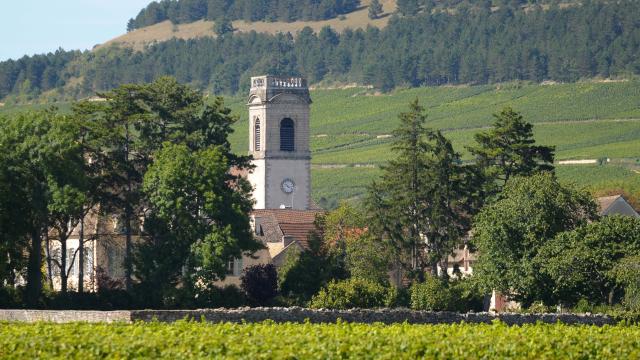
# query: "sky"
x,y
30,27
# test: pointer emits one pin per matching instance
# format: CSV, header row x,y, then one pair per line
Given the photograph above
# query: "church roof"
x,y
276,224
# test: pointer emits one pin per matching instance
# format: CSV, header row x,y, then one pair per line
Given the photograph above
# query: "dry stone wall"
x,y
299,315
57,316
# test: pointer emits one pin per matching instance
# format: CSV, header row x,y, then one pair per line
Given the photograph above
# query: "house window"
x,y
287,135
234,267
257,135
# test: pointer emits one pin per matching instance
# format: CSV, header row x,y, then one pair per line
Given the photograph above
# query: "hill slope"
x,y
466,46
350,128
140,38
589,120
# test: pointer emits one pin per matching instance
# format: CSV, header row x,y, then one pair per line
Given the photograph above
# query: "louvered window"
x,y
257,135
287,135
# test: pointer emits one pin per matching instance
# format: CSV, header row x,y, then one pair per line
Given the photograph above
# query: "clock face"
x,y
288,186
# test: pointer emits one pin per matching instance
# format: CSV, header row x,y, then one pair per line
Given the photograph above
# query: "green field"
x,y
333,184
587,120
308,341
348,119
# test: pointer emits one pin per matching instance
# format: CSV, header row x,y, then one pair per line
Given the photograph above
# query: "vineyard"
x,y
308,341
588,120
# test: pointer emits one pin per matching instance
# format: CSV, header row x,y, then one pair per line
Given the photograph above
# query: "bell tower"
x,y
279,142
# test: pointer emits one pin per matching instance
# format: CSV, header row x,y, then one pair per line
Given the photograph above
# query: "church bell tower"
x,y
279,142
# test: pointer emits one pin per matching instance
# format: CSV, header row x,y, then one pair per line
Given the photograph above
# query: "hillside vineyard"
x,y
470,45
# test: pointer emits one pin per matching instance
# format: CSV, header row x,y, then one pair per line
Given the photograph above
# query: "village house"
x,y
607,206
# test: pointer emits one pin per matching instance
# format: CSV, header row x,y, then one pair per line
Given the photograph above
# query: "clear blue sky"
x,y
30,27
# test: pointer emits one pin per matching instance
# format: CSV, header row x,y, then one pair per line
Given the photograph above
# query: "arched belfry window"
x,y
287,135
256,134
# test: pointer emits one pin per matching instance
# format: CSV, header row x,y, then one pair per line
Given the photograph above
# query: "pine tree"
x,y
425,196
222,26
508,150
375,9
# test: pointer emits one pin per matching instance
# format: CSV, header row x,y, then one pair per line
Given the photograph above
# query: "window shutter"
x,y
287,135
256,135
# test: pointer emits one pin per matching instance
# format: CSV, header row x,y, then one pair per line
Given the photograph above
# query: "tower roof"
x,y
268,87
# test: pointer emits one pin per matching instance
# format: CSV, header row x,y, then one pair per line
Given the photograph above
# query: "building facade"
x,y
283,216
279,142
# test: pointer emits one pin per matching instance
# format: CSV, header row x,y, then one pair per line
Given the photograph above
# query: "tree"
x,y
14,227
351,293
423,201
340,226
510,231
581,263
508,150
133,124
627,274
260,282
45,164
408,7
375,9
223,26
200,215
369,258
306,271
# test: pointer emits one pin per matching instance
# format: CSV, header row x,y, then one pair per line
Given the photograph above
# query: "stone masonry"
x,y
300,315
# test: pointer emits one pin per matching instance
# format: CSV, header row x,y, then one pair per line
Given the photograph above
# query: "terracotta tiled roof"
x,y
605,202
299,232
278,223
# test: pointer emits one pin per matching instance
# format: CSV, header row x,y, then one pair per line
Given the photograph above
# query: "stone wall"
x,y
299,315
57,316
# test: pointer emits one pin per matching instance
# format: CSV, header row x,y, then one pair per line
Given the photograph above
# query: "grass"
x,y
587,120
313,341
164,31
332,185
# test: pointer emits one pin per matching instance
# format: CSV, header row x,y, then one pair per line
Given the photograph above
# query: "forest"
x,y
185,11
469,46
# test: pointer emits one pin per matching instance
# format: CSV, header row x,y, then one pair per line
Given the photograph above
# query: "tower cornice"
x,y
269,88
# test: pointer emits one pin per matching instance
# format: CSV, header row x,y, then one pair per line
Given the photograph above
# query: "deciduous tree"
x,y
510,231
581,263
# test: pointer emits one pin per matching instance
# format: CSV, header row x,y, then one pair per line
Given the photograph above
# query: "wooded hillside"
x,y
468,46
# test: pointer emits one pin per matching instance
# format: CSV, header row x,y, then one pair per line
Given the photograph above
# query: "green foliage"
x,y
433,295
185,11
223,26
260,282
627,274
509,233
306,271
425,193
351,293
581,263
465,47
199,221
375,9
315,341
508,149
42,184
370,258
